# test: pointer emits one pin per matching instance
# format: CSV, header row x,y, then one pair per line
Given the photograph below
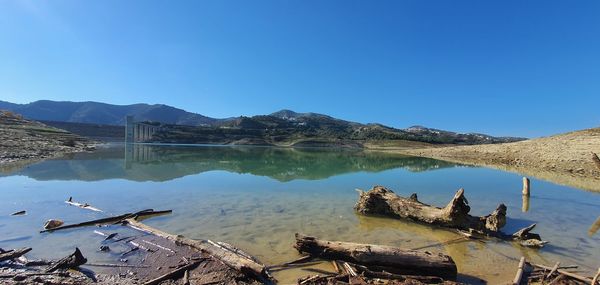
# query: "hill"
x,y
22,139
284,127
564,158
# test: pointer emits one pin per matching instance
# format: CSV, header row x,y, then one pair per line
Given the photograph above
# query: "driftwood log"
x,y
382,201
348,279
380,258
12,254
111,220
229,255
82,205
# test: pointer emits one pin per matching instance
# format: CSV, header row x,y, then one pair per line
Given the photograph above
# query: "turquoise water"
x,y
257,198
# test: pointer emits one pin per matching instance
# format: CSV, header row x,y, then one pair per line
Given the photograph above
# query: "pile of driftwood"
x,y
384,202
531,273
149,257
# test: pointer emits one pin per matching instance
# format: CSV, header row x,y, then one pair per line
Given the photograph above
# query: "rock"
x,y
533,243
52,223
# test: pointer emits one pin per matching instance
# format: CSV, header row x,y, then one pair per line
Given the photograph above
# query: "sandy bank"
x,y
564,159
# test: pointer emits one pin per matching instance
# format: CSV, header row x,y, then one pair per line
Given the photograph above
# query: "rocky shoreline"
x,y
26,140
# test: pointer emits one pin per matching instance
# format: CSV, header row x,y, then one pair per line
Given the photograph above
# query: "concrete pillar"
x,y
136,133
129,129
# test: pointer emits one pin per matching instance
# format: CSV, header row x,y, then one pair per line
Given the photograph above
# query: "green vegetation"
x,y
286,128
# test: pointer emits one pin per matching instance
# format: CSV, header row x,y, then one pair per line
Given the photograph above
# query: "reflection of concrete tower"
x,y
129,129
128,140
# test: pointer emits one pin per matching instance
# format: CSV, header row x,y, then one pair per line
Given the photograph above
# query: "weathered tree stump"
x,y
379,257
74,260
384,202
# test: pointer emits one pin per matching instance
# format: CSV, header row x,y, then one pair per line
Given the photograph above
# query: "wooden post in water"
x,y
525,191
525,206
526,186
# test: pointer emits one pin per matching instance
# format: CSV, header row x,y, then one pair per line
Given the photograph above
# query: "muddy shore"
x,y
564,159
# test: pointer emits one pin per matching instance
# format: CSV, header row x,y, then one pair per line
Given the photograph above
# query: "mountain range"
x,y
103,113
283,127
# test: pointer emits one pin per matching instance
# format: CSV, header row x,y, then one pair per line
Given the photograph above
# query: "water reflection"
x,y
164,163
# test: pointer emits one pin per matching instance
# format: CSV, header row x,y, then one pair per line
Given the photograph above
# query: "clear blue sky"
x,y
527,68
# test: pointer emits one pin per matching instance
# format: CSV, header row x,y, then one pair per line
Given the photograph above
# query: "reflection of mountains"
x,y
161,163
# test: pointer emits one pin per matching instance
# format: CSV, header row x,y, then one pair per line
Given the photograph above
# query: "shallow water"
x,y
257,198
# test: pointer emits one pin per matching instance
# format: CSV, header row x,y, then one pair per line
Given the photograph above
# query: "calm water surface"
x,y
257,198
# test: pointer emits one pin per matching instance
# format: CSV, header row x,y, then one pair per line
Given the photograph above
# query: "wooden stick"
x,y
349,269
294,265
172,274
560,276
186,277
566,273
596,277
320,271
553,269
386,275
83,206
295,261
310,279
459,239
116,265
519,274
159,246
30,274
110,220
12,254
335,266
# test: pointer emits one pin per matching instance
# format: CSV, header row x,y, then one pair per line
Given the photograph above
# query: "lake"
x,y
257,197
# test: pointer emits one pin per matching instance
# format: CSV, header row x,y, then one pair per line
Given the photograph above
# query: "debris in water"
x,y
52,223
19,213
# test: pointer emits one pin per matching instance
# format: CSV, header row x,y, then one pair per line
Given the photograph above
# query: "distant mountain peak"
x,y
287,114
417,128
